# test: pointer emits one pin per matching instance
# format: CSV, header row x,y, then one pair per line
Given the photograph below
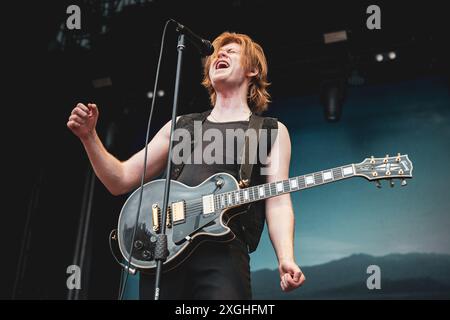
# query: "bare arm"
x,y
118,176
280,215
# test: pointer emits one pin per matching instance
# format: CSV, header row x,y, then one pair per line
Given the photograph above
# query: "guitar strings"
x,y
195,206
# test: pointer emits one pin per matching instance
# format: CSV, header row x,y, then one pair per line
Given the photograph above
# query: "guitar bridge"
x,y
156,215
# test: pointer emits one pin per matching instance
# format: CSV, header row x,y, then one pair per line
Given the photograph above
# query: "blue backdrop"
x,y
353,216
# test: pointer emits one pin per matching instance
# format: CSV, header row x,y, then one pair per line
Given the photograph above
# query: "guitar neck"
x,y
273,189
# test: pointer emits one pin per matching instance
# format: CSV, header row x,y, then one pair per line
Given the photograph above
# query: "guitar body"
x,y
188,224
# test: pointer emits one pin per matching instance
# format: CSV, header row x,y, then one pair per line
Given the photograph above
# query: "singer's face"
x,y
226,68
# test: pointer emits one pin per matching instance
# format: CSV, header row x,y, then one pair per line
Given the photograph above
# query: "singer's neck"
x,y
231,105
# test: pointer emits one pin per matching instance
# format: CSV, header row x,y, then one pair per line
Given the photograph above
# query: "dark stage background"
x,y
399,105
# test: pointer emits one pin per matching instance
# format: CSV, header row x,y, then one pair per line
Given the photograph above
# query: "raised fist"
x,y
83,119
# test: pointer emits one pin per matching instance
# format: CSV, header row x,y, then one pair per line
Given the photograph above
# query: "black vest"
x,y
249,225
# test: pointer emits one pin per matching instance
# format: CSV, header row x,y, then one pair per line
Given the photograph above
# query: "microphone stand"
x,y
161,249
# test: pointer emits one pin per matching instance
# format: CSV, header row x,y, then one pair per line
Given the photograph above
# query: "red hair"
x,y
253,59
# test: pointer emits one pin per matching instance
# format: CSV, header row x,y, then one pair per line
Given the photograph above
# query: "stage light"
x,y
150,95
385,56
160,93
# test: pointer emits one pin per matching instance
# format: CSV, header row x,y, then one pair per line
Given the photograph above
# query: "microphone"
x,y
204,46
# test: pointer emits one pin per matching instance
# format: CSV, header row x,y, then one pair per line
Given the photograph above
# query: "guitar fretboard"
x,y
273,189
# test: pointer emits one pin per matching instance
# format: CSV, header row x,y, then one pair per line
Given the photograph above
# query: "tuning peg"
x,y
378,184
391,183
372,160
398,157
404,182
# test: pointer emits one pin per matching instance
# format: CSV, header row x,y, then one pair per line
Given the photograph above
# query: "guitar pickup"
x,y
208,204
178,212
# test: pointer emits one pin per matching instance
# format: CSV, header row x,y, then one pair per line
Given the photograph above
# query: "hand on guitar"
x,y
83,119
291,276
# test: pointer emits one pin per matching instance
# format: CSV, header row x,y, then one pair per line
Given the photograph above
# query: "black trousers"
x,y
214,271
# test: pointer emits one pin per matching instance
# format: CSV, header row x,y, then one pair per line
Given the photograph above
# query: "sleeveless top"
x,y
248,226
194,174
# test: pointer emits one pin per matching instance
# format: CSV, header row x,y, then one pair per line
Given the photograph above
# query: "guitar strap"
x,y
245,170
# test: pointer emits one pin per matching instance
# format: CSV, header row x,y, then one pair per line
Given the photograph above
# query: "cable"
x,y
122,288
113,234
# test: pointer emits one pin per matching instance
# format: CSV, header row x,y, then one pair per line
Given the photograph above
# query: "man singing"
x,y
236,79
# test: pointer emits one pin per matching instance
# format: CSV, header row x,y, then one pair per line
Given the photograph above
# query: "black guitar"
x,y
200,213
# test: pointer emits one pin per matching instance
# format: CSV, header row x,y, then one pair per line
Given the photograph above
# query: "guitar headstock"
x,y
398,167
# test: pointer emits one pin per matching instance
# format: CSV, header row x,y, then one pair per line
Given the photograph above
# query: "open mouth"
x,y
222,64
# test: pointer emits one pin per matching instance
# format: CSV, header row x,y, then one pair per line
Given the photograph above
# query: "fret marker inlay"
x,y
348,170
293,183
279,187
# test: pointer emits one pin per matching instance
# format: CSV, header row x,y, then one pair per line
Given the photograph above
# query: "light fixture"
x,y
392,55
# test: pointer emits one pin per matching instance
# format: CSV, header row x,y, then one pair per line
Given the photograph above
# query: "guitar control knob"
x,y
138,244
146,254
219,182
